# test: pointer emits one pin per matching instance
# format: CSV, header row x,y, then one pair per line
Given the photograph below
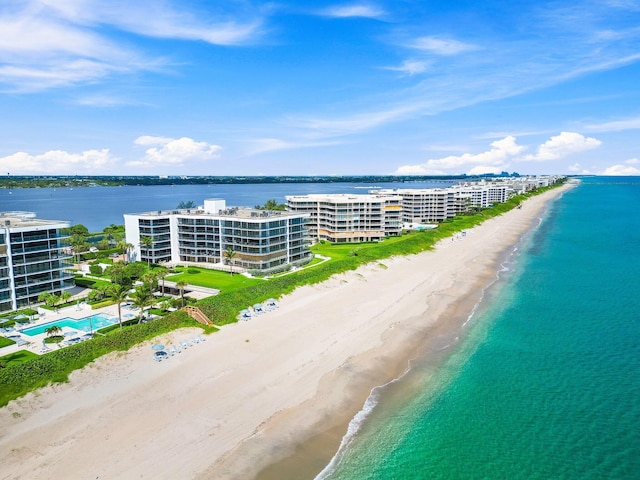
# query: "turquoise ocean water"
x,y
546,381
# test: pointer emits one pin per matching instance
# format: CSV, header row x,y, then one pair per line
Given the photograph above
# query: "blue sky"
x,y
190,87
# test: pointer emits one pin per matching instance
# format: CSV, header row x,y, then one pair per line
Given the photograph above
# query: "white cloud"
x,y
165,150
563,145
494,160
441,46
574,168
615,126
623,170
483,169
356,10
48,44
265,145
57,162
411,67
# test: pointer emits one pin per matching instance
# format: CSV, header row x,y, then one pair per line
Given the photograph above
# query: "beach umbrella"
x,y
20,317
257,306
158,346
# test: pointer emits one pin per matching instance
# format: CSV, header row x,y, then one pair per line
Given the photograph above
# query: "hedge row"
x,y
17,380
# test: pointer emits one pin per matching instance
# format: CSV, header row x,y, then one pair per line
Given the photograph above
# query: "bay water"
x,y
545,381
98,207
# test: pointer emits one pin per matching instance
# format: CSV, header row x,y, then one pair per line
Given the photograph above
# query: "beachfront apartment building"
x,y
261,239
428,205
345,218
33,259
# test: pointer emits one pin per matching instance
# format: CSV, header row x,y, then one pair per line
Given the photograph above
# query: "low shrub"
x,y
55,366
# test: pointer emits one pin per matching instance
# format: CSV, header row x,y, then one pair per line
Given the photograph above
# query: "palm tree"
x,y
150,278
147,243
125,247
181,284
48,298
118,295
65,296
53,330
230,254
161,272
141,299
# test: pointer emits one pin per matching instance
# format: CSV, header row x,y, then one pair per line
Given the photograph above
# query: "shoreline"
x,y
260,389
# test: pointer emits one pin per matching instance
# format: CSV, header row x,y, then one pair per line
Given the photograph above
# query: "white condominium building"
x,y
428,205
261,239
32,259
344,218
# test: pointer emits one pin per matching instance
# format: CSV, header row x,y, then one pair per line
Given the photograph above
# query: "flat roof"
x,y
18,219
230,212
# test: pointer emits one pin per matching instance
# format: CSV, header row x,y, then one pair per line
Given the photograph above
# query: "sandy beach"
x,y
265,397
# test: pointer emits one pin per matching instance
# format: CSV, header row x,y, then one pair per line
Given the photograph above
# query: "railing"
x,y
197,315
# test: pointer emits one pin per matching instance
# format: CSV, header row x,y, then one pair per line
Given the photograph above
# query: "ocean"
x,y
98,207
545,381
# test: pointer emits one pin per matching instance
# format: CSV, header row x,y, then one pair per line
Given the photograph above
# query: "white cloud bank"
x,y
563,145
628,169
491,161
174,151
502,152
57,162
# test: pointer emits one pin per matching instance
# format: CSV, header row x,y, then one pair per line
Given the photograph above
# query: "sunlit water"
x,y
546,383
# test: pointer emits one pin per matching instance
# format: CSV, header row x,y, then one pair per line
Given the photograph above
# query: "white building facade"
x,y
428,205
32,259
261,239
344,218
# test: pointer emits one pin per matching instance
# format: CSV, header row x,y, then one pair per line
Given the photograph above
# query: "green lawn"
x,y
204,277
5,342
21,356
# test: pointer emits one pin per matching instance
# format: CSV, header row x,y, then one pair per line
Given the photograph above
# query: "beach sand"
x,y
270,397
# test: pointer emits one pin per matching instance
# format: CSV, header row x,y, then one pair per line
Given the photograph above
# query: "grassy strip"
x,y
16,358
5,342
18,379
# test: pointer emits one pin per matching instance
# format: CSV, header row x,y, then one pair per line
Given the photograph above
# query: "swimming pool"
x,y
85,324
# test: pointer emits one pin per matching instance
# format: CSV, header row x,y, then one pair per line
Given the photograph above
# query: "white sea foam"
x,y
354,427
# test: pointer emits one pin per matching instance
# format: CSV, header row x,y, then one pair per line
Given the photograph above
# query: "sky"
x,y
241,87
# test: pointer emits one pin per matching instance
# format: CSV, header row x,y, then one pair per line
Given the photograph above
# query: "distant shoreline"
x,y
28,181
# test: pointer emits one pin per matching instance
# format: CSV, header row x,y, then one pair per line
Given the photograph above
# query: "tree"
x,y
150,279
113,233
184,205
147,243
79,229
48,298
118,294
161,272
230,254
65,296
271,204
141,299
79,245
125,248
118,274
181,284
53,330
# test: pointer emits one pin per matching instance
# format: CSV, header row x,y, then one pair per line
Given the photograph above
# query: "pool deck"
x,y
35,343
